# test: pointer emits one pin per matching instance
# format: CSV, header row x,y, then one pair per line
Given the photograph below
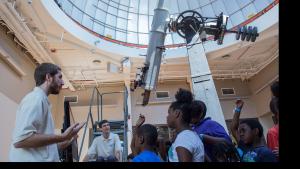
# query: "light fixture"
x,y
96,61
225,56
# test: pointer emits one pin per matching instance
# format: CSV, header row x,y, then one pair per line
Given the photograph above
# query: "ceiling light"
x,y
96,61
225,56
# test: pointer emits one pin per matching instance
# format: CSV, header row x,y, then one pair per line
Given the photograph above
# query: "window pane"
x,y
231,6
102,5
87,22
121,36
143,39
152,6
168,40
260,4
110,33
237,18
199,11
177,39
132,37
112,10
173,7
80,4
204,2
133,6
143,7
67,7
193,4
183,6
77,15
132,22
249,11
90,7
122,23
219,7
122,14
208,11
98,28
124,8
111,20
100,16
143,24
242,3
114,3
124,2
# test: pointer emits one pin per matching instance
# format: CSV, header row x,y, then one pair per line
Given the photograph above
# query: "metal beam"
x,y
202,82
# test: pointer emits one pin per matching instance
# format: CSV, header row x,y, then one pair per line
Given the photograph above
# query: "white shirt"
x,y
33,116
105,147
191,141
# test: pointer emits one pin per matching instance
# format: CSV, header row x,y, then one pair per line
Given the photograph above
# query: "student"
x,y
107,147
187,146
225,152
164,147
273,133
33,137
275,89
249,134
145,144
141,145
207,127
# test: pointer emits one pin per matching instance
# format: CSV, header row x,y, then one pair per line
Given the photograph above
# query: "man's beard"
x,y
54,88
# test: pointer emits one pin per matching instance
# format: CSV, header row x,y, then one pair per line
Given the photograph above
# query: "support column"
x,y
126,70
202,83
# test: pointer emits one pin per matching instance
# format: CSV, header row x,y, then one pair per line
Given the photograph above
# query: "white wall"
x,y
266,122
157,109
249,109
12,89
242,91
260,86
8,114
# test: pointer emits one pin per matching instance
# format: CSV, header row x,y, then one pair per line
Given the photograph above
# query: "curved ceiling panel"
x,y
129,21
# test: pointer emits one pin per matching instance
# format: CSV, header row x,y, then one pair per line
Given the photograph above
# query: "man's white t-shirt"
x,y
191,141
105,147
33,116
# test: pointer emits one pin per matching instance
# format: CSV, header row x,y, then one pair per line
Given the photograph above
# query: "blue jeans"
x,y
107,159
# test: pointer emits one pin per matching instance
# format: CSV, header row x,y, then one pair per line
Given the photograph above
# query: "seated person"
x,y
107,147
144,142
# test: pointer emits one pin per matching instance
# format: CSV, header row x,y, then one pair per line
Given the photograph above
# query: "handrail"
x,y
89,115
125,152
